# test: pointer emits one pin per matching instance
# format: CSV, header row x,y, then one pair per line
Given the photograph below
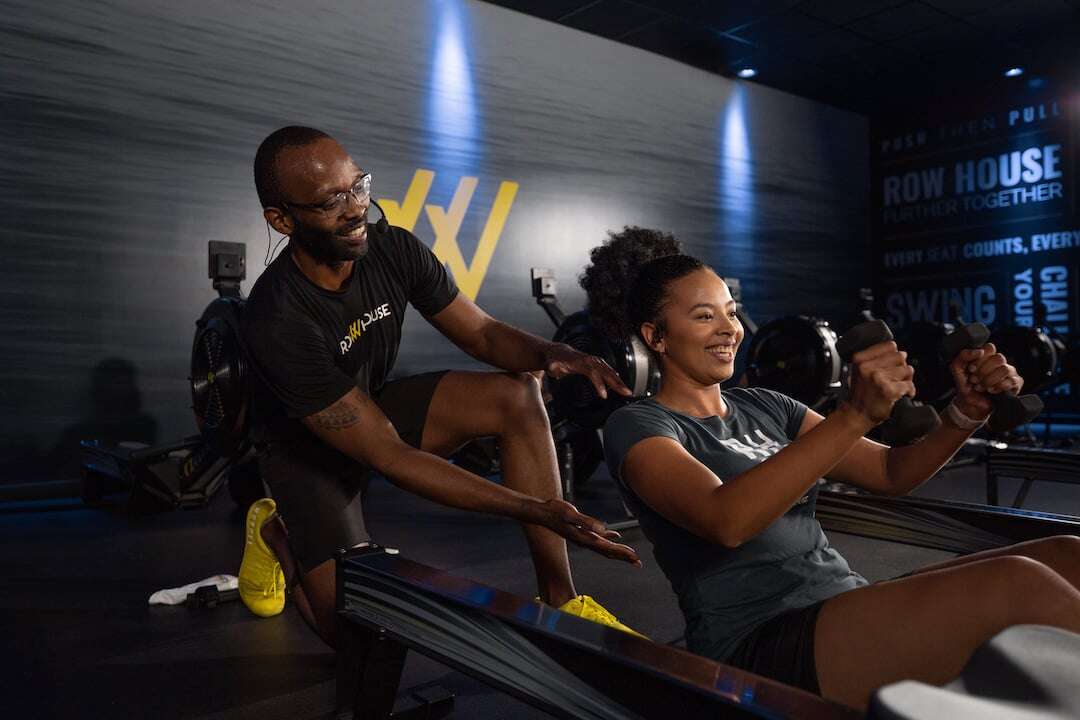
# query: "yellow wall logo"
x,y
447,221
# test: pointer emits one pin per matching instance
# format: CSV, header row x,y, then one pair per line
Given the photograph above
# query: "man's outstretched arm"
x,y
509,348
357,427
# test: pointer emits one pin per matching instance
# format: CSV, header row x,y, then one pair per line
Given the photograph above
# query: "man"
x,y
323,325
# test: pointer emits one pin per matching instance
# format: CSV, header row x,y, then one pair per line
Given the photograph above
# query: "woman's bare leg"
x,y
926,626
1061,553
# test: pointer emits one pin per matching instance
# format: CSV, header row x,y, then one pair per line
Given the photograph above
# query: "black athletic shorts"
x,y
782,648
319,491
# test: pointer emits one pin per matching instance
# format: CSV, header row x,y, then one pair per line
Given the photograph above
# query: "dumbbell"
x,y
1010,409
910,420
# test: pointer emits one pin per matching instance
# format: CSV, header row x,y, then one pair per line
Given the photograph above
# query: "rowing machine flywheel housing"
x,y
796,355
574,397
1036,355
218,376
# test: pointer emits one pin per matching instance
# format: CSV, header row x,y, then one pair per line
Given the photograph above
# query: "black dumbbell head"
x,y
861,337
1012,410
913,421
965,337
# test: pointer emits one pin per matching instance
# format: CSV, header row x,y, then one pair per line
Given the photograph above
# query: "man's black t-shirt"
x,y
310,346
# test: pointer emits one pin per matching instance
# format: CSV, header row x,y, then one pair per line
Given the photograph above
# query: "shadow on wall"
x,y
114,415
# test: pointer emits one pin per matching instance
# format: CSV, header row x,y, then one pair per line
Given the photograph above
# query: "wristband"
x,y
960,420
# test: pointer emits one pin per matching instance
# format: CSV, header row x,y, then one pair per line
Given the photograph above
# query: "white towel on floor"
x,y
177,595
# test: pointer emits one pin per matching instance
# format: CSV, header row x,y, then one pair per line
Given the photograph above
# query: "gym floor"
x,y
81,640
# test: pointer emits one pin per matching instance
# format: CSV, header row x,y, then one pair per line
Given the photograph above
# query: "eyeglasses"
x,y
336,203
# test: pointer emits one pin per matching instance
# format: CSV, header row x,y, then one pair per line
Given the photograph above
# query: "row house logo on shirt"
x,y
360,324
446,222
766,448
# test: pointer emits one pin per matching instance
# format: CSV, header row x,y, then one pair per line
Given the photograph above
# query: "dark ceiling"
x,y
871,56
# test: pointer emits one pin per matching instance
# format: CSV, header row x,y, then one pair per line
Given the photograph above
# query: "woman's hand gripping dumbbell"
x,y
881,381
986,383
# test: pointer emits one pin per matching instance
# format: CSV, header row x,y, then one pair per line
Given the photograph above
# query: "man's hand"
x,y
561,360
979,374
563,518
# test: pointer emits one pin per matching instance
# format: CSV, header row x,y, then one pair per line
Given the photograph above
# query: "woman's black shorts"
x,y
782,648
319,491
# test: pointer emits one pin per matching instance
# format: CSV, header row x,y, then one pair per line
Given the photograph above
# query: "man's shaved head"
x,y
267,183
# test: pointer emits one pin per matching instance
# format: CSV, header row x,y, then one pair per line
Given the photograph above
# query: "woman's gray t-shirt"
x,y
725,593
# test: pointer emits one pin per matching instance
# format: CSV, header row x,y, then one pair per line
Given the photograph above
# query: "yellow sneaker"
x,y
262,584
585,607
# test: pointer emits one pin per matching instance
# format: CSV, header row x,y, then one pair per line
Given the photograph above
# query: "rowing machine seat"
x,y
1027,672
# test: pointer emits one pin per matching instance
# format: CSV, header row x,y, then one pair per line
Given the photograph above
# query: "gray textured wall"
x,y
128,130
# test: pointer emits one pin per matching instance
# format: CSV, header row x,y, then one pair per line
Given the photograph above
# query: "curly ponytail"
x,y
627,279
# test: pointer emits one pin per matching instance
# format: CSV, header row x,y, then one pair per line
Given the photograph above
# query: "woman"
x,y
724,483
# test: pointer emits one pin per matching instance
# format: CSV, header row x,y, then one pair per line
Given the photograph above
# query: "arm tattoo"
x,y
341,414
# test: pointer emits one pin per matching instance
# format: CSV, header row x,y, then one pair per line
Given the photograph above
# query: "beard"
x,y
331,247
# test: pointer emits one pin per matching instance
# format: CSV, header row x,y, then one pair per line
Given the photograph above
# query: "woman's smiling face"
x,y
701,333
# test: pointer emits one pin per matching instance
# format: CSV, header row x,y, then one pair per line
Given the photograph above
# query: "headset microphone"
x,y
383,225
